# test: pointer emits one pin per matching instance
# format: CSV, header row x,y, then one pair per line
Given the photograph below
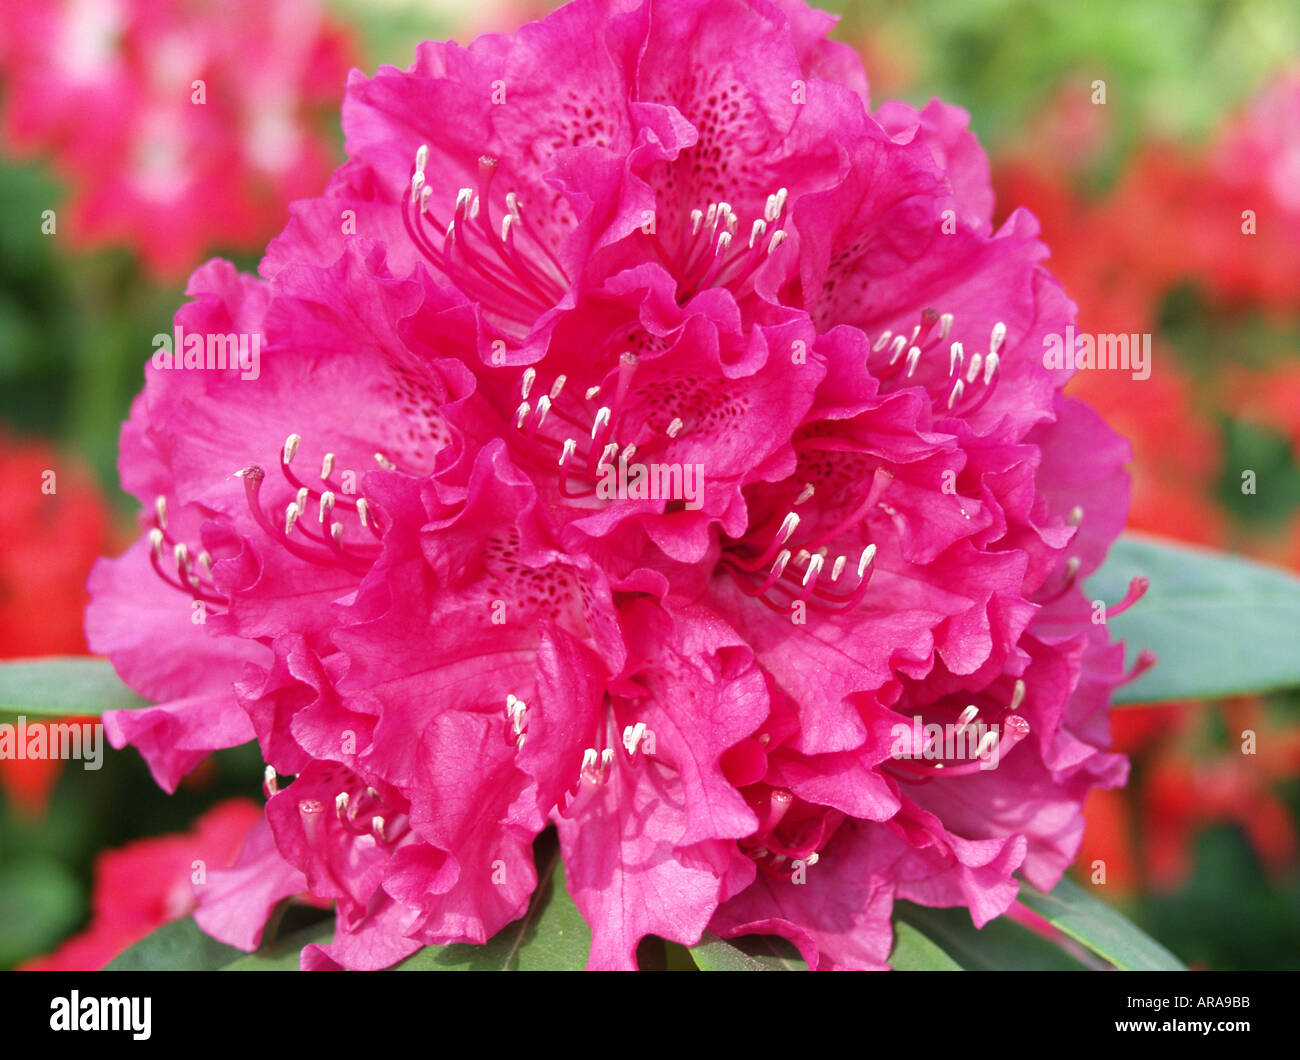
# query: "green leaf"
x,y
40,903
283,955
1219,624
1000,945
62,686
914,952
176,947
551,936
751,953
1074,912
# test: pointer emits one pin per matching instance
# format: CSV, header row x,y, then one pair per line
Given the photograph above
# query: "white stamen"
x,y
838,568
779,564
463,199
363,511
995,339
805,493
336,532
377,827
543,407
945,325
913,359
526,384
326,506
270,782
956,358
327,467
632,736
757,231
1017,697
814,568
558,386
788,526
724,241
606,455
421,158
879,344
868,554
966,717
160,509
291,514
897,347
291,448
341,804
602,418
506,222
384,462
990,367
674,428
1076,516
974,368
778,237
592,391
521,413
955,396
156,542
569,446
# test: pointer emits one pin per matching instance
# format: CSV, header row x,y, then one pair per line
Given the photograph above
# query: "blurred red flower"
x,y
143,885
53,525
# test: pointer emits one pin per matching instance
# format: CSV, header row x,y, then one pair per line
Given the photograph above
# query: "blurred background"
x,y
1139,134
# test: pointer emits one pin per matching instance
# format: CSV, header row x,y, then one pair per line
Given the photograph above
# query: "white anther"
x,y
160,510
474,208
182,557
384,462
779,564
205,562
269,781
632,736
363,511
987,744
543,407
805,493
781,194
526,384
945,325
812,859
913,359
838,567
592,391
724,241
569,446
674,428
521,413
327,467
326,506
998,335
974,368
291,448
558,386
303,495
896,348
966,717
956,358
156,542
417,183
291,514
1017,697
421,158
602,418
990,367
606,760
341,804
802,556
506,222
697,219
879,344
377,827
425,194
589,760
955,396
336,532
788,526
629,451
512,204
463,198
606,455
814,568
868,554
1076,516
711,215
757,231
778,237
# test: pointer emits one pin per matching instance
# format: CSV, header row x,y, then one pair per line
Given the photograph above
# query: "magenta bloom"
x,y
179,125
651,439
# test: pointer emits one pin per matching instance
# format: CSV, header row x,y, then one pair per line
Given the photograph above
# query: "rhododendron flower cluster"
x,y
661,234
179,126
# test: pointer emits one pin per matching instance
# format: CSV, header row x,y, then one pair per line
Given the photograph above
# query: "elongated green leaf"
x,y
176,947
551,936
284,954
1220,624
914,952
61,686
1000,945
1094,924
752,953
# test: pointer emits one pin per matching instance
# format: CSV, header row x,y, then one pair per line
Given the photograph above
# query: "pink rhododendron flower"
x,y
419,557
180,126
